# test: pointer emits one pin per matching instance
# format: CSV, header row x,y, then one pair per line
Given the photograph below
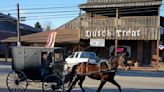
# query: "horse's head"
x,y
122,61
117,60
121,58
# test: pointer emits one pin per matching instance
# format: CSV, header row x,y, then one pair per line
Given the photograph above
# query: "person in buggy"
x,y
45,64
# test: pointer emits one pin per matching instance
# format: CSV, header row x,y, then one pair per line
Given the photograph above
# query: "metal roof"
x,y
121,4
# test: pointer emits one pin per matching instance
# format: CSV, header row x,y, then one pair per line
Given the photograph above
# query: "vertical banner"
x,y
51,40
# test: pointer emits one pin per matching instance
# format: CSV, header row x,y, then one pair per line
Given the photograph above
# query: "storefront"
x,y
134,25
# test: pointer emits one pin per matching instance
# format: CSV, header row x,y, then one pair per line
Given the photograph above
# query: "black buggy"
x,y
27,66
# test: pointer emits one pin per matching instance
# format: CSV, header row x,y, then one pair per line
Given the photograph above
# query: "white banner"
x,y
97,42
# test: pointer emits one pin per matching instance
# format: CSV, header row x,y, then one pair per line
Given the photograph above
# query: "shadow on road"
x,y
137,73
28,90
124,90
94,89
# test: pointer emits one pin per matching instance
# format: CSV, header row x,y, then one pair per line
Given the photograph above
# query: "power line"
x,y
94,11
102,12
47,12
39,8
43,8
52,15
49,17
8,10
65,15
49,7
40,5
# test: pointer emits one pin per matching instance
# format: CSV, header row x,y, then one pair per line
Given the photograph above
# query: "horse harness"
x,y
110,67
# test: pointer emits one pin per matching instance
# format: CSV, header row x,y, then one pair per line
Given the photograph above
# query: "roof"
x,y
7,17
63,35
5,34
121,4
22,26
29,28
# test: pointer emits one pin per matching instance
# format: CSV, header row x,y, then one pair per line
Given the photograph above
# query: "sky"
x,y
48,12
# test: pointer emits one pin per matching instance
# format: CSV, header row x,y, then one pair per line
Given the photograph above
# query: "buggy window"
x,y
58,57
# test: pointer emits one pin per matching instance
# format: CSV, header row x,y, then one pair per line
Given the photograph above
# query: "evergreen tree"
x,y
37,25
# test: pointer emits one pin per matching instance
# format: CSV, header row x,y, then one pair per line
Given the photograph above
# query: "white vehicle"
x,y
79,57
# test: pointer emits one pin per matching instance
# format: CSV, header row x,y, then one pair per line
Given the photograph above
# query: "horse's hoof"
x,y
127,68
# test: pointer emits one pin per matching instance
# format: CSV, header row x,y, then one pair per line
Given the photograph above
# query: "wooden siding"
x,y
73,24
96,26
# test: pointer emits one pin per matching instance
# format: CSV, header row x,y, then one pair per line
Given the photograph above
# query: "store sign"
x,y
97,42
107,33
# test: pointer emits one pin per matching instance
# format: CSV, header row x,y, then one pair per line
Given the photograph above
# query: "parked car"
x,y
79,57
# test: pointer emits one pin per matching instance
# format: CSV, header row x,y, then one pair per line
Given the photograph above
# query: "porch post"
x,y
116,36
158,27
157,65
140,51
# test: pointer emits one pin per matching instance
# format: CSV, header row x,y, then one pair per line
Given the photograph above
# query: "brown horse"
x,y
105,72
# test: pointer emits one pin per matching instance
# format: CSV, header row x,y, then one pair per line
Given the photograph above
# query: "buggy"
x,y
27,67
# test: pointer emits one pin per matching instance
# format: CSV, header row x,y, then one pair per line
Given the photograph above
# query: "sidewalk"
x,y
3,60
149,68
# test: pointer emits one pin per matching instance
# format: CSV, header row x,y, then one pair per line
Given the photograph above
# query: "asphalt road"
x,y
130,81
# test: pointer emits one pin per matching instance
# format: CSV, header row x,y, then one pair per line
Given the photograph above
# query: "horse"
x,y
105,72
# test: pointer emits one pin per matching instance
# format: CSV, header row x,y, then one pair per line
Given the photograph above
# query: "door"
x,y
147,53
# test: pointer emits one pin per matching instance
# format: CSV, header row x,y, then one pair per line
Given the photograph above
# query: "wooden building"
x,y
134,24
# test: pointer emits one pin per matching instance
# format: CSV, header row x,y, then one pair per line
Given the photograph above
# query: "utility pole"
x,y
18,26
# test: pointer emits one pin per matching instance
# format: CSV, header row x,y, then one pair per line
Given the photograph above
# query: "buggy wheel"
x,y
16,81
52,83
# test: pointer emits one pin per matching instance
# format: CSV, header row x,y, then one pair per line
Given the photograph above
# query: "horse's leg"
x,y
73,84
101,85
116,84
81,83
125,65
